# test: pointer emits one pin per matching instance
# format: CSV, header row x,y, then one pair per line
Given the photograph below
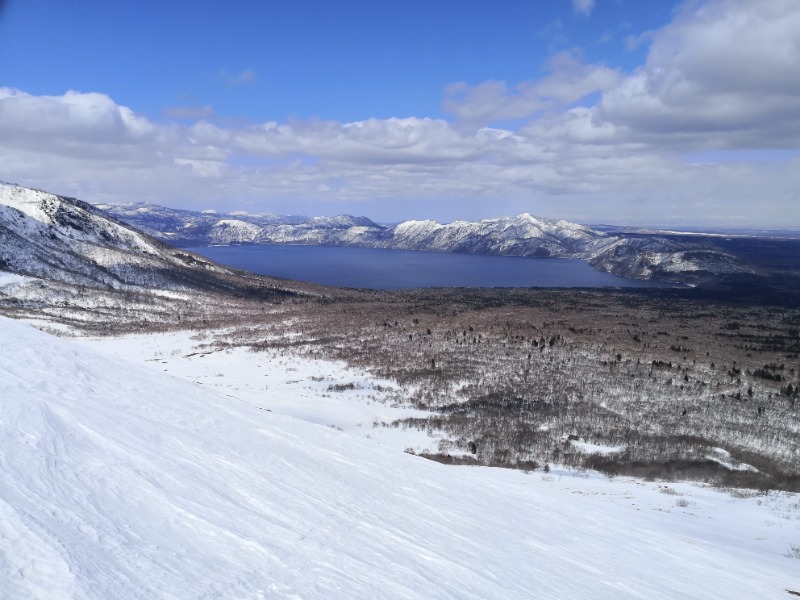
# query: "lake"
x,y
397,269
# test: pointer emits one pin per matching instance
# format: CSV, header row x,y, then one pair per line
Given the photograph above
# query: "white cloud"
x,y
583,7
89,116
618,157
723,74
569,81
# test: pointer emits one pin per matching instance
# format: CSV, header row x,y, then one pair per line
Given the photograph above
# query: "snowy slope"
x,y
667,260
62,239
119,482
277,380
70,262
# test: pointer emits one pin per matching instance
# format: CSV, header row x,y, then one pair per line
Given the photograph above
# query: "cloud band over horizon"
x,y
705,132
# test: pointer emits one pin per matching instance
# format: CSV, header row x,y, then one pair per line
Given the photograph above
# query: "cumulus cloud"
x,y
722,74
592,143
569,81
84,115
89,125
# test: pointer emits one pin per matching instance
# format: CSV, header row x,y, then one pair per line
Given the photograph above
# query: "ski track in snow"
x,y
117,481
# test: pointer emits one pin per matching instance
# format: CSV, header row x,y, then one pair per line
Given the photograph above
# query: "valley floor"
x,y
223,478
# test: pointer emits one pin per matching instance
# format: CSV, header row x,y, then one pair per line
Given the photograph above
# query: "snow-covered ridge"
x,y
522,235
667,260
74,219
62,239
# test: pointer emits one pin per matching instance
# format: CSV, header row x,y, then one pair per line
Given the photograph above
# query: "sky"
x,y
640,112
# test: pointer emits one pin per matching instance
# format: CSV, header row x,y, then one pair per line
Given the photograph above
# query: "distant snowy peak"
x,y
342,221
226,231
415,233
523,235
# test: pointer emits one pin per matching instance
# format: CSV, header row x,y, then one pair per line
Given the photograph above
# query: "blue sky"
x,y
262,60
626,111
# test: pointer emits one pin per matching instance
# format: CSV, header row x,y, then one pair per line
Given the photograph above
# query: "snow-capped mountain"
x,y
661,259
653,257
523,235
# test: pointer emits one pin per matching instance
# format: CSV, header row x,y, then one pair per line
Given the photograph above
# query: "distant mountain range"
x,y
111,247
648,257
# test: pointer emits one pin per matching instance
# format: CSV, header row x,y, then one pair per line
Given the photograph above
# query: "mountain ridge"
x,y
656,258
45,235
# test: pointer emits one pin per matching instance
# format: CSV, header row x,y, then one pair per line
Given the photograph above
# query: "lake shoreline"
x,y
392,269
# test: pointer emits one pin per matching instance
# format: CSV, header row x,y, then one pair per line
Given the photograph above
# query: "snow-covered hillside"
x,y
65,259
666,260
62,239
120,482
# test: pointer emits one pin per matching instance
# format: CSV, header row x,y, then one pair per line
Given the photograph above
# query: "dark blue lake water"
x,y
396,269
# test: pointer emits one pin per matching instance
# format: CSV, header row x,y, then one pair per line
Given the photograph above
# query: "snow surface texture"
x,y
278,380
120,482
